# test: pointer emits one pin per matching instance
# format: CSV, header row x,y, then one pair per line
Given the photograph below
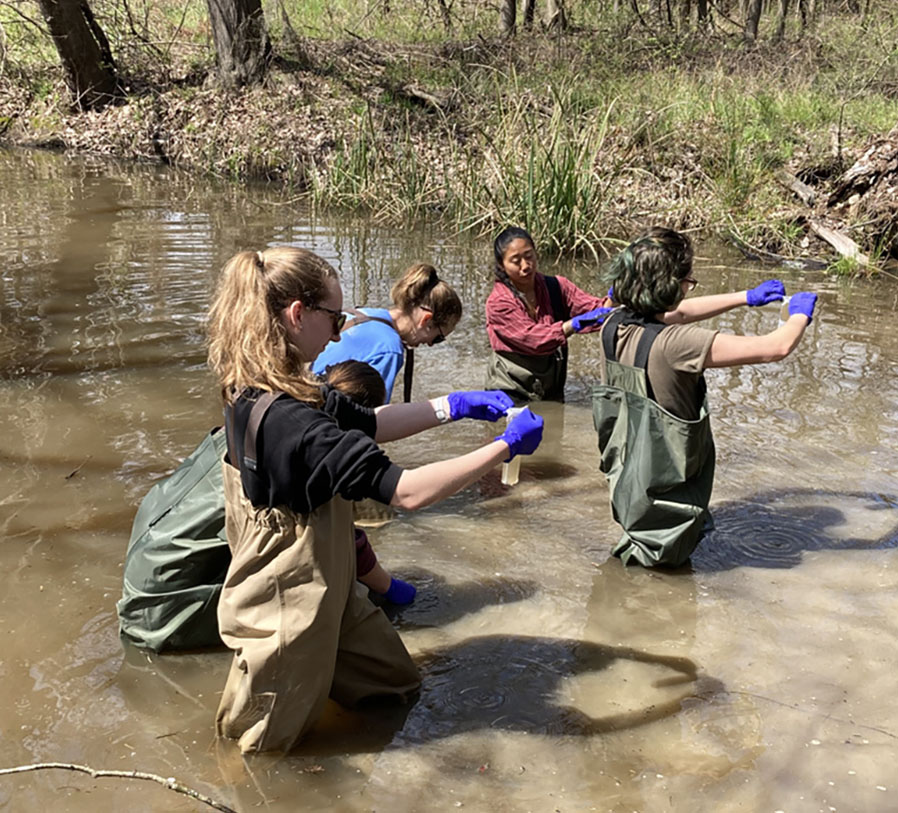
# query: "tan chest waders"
x,y
660,468
300,625
532,378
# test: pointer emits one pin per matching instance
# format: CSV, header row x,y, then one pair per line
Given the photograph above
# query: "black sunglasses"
x,y
439,338
337,317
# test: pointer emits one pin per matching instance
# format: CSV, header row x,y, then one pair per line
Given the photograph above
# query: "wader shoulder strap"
x,y
408,368
360,317
651,330
559,311
250,452
407,372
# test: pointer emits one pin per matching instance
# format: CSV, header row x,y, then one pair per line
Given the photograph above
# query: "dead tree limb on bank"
x,y
839,241
169,783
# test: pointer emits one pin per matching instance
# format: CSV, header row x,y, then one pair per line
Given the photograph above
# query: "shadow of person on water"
x,y
438,603
515,683
774,529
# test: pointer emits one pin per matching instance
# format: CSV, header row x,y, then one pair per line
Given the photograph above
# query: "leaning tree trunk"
x,y
84,52
242,47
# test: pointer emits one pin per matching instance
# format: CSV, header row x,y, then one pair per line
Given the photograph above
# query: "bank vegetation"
x,y
773,124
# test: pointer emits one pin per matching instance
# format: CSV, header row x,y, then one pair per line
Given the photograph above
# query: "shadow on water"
x,y
767,531
508,683
438,603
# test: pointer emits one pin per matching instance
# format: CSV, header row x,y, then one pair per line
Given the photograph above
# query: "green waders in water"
x,y
532,378
300,625
660,468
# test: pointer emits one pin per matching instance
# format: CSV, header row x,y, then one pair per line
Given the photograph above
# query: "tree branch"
x,y
169,783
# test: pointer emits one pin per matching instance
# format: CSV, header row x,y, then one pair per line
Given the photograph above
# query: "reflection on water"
x,y
758,677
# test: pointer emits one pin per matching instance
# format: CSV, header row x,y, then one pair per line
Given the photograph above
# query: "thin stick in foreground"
x,y
169,783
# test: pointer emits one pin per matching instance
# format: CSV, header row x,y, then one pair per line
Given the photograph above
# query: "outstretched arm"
x,y
704,307
731,351
433,482
428,484
395,421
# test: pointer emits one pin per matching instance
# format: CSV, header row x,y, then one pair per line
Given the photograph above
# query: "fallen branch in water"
x,y
169,783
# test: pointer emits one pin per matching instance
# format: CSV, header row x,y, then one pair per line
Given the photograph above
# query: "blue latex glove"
x,y
611,294
590,318
482,405
768,291
803,303
523,434
400,592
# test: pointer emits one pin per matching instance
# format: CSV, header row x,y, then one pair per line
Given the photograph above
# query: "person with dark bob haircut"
x,y
650,409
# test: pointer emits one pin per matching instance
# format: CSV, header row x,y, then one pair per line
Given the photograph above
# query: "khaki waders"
x,y
660,468
301,627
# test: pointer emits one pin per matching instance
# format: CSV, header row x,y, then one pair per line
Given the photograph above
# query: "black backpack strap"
x,y
250,452
559,311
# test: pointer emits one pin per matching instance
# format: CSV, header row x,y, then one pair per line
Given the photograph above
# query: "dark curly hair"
x,y
647,274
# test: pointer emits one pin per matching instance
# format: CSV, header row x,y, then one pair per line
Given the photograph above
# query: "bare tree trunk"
x,y
84,52
702,12
508,13
242,47
781,25
803,12
529,11
752,19
555,16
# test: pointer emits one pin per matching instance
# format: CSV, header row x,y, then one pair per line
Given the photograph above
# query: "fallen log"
x,y
805,193
842,243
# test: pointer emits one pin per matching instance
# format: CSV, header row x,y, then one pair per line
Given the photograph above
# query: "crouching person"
x,y
301,628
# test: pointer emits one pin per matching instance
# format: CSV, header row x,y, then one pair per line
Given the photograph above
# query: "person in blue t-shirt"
x,y
425,310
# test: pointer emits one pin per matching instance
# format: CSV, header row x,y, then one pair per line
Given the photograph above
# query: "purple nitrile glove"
x,y
590,318
400,592
481,405
523,434
803,303
768,291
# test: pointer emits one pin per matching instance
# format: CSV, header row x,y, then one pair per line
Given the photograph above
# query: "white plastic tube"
x,y
784,310
511,471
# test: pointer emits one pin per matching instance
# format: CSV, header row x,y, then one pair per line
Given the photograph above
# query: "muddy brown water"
x,y
760,678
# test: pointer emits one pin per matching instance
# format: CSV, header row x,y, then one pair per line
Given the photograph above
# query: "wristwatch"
x,y
441,409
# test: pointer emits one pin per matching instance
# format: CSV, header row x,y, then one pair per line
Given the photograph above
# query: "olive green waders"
x,y
300,625
660,468
528,378
532,378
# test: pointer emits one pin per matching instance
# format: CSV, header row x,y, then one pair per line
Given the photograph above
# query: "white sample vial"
x,y
784,310
511,471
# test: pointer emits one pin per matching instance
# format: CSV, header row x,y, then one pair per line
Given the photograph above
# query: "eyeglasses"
x,y
337,317
441,337
690,283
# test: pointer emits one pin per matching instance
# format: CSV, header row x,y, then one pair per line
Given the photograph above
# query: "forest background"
x,y
774,124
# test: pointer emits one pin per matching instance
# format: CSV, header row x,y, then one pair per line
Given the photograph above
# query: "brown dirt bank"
x,y
400,130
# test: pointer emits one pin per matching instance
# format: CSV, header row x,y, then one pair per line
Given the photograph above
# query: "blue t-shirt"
x,y
373,342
